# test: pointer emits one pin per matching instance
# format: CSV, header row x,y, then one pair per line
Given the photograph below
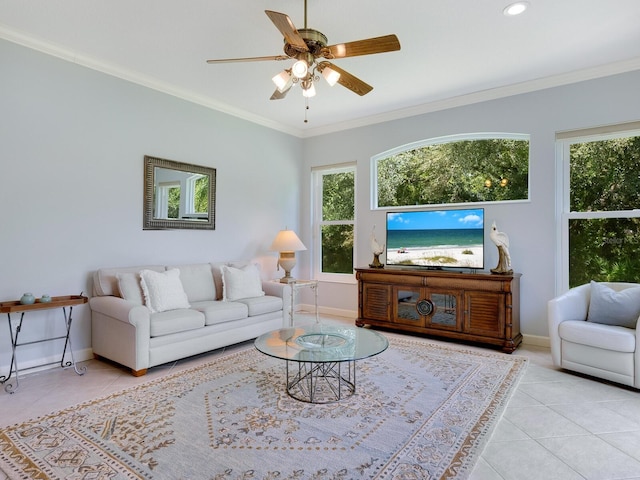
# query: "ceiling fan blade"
x,y
388,43
349,81
278,95
249,59
288,30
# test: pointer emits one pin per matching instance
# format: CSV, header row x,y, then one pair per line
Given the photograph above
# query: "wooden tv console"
x,y
476,307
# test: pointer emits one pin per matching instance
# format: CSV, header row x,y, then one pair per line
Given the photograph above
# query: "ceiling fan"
x,y
309,49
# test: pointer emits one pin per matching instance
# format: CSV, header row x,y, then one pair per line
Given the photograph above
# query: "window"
x,y
453,170
334,222
600,216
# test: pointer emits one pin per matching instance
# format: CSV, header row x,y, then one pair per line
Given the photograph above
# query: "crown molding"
x,y
484,96
28,41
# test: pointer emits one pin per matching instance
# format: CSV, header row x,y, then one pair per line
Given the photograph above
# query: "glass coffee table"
x,y
321,359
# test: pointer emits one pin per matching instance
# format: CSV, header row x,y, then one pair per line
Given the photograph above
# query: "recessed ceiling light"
x,y
515,9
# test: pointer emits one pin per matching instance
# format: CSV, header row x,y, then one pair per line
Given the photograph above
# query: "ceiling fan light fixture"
x,y
308,91
300,69
330,75
282,80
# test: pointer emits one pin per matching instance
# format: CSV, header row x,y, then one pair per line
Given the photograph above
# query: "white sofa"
x,y
598,346
127,331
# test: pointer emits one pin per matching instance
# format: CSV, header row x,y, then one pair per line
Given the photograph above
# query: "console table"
x,y
476,307
56,302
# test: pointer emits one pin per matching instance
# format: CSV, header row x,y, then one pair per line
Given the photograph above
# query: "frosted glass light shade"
x,y
330,75
300,69
282,80
309,92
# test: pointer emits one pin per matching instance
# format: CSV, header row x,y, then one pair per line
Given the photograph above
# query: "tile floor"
x,y
557,425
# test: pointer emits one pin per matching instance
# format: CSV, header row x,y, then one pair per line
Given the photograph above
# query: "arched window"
x,y
459,169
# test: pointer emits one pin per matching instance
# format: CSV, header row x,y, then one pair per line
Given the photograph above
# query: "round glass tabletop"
x,y
322,343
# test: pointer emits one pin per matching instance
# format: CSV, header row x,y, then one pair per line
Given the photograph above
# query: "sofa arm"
x,y
572,305
121,331
282,290
120,309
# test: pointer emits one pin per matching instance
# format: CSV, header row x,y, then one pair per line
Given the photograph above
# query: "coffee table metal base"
x,y
321,382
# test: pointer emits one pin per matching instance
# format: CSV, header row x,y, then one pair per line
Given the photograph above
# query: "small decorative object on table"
x,y
27,299
502,242
376,249
45,298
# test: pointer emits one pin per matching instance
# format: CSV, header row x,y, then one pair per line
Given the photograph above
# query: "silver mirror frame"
x,y
151,223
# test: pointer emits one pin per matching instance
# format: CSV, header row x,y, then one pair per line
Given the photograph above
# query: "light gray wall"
x,y
72,143
531,226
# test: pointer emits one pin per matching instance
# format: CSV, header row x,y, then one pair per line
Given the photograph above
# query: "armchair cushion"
x,y
607,337
610,307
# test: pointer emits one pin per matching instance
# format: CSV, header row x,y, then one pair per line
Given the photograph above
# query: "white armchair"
x,y
597,349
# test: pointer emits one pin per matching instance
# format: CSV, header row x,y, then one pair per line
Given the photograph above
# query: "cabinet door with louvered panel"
x,y
375,302
484,314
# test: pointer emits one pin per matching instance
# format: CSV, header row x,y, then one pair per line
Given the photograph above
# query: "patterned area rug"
x,y
421,411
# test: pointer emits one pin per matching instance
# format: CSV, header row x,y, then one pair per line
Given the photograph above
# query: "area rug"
x,y
421,411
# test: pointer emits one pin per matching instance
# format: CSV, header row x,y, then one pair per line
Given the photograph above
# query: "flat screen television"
x,y
445,238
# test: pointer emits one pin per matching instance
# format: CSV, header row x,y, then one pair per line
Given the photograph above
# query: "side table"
x,y
56,302
295,286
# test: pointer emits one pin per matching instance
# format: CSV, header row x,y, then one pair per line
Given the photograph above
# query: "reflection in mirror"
x,y
178,195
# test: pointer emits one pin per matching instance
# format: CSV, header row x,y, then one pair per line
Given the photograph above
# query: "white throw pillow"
x,y
163,290
614,308
129,286
240,283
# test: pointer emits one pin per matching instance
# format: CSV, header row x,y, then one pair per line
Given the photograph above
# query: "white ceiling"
x,y
453,51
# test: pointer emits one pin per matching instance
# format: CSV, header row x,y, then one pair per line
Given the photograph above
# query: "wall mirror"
x,y
178,195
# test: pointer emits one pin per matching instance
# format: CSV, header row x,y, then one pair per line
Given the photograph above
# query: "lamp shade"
x,y
287,241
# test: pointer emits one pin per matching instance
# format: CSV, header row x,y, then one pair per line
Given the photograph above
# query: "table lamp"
x,y
287,243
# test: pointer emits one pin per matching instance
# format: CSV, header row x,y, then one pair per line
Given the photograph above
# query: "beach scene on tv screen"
x,y
437,238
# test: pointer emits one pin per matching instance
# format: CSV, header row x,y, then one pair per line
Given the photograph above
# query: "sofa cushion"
x,y
261,305
608,337
240,283
610,307
163,291
105,281
197,281
129,286
174,321
220,312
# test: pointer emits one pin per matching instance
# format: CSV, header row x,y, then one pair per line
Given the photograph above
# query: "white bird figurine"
x,y
501,241
376,249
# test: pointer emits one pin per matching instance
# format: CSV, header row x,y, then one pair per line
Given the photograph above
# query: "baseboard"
x,y
536,341
47,363
335,312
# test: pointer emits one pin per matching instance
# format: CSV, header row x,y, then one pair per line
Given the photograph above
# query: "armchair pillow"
x,y
163,290
610,307
238,283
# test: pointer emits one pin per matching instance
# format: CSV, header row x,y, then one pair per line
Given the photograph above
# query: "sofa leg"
x,y
138,373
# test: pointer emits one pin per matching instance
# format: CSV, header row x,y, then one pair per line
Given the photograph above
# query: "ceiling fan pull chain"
x,y
306,109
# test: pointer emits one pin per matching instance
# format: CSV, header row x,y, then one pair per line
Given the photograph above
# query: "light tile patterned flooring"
x,y
557,425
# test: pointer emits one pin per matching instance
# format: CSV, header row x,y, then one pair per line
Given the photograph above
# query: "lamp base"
x,y
287,261
287,279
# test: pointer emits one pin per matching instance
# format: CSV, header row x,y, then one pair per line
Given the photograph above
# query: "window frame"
x,y
442,140
317,174
564,141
